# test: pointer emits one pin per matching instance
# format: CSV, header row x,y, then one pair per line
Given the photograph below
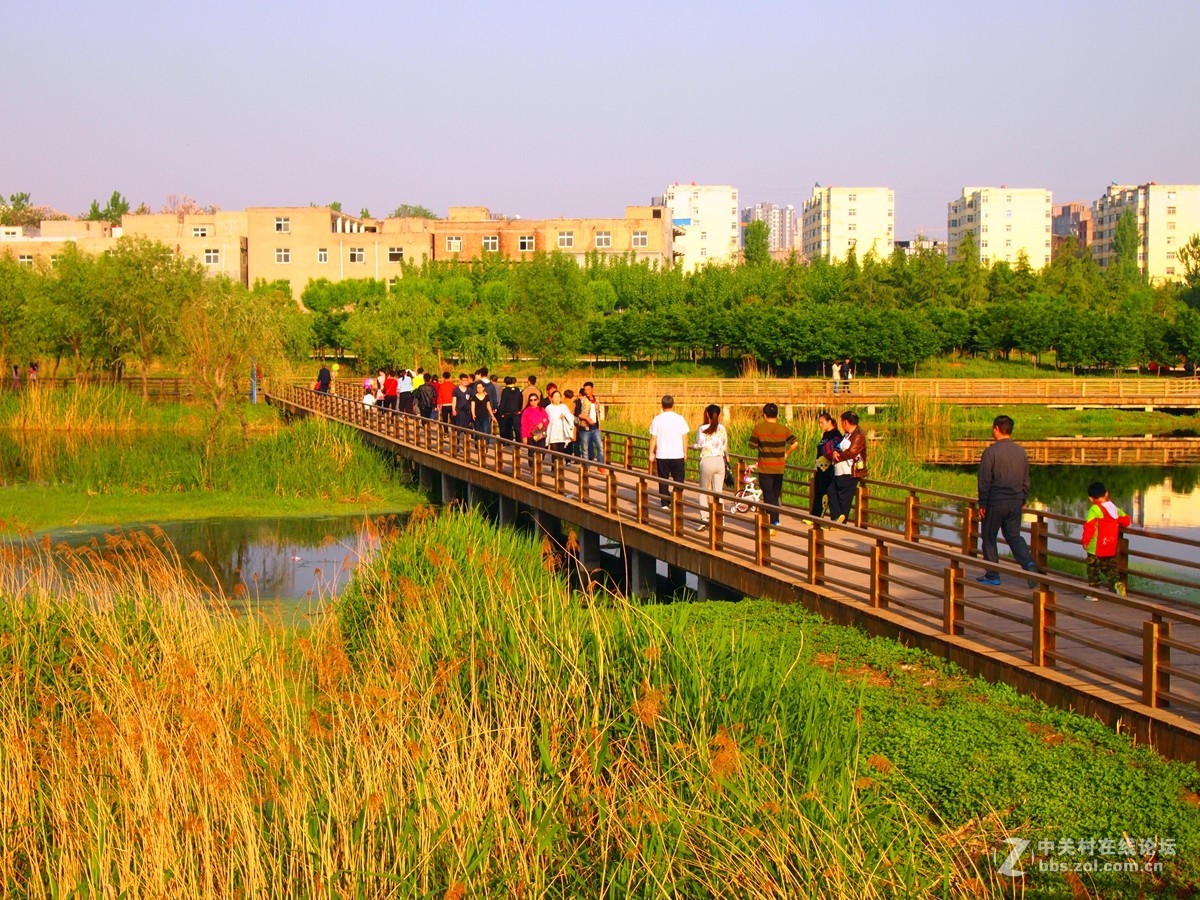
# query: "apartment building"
x,y
217,240
1167,217
472,232
42,245
705,220
301,244
1004,222
781,224
836,219
1073,220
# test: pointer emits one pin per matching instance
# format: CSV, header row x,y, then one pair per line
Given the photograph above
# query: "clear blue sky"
x,y
543,109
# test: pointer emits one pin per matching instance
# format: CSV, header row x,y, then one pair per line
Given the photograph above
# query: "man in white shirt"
x,y
668,447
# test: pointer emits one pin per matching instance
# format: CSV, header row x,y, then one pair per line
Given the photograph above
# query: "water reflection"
x,y
1156,497
294,563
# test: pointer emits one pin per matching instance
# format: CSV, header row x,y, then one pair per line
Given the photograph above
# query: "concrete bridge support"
x,y
641,573
429,483
452,489
707,589
506,510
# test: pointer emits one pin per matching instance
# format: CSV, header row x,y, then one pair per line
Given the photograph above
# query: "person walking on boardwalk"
x,y
847,376
837,377
561,430
445,397
713,443
509,410
773,442
1102,539
483,414
668,448
587,417
823,471
849,466
534,423
1003,487
462,402
324,378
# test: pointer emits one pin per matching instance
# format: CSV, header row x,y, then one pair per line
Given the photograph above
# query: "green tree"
x,y
1189,258
222,328
19,211
1125,271
145,288
18,284
117,207
547,294
970,273
412,211
757,250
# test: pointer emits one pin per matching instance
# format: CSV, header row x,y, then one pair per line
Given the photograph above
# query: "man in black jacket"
x,y
509,409
1003,487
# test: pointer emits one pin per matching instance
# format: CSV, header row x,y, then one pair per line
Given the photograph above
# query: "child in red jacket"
x,y
1101,539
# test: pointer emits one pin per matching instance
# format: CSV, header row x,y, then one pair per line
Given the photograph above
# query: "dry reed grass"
x,y
461,725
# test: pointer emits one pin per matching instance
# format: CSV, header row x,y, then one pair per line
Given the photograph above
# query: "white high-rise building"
x,y
781,223
705,217
838,218
1004,222
1167,217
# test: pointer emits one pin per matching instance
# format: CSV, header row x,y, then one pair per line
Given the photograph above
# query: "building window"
x,y
358,254
703,252
852,212
526,243
603,240
852,227
393,281
704,235
1170,254
212,257
200,231
453,244
1008,243
853,198
395,254
1170,226
322,254
283,225
283,255
1008,228
1170,195
1047,245
984,229
1170,240
641,239
491,243
983,243
1170,270
1170,210
1008,214
25,260
566,240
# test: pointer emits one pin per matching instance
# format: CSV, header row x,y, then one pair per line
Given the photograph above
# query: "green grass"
x,y
307,468
970,749
1039,422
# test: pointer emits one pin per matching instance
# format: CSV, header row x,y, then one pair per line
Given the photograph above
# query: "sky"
x,y
543,109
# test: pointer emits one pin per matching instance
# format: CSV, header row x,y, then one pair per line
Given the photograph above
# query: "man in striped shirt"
x,y
773,442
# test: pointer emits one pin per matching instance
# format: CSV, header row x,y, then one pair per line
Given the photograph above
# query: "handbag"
x,y
538,434
859,470
730,483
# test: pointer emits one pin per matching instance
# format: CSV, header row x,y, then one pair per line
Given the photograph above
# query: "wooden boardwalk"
x,y
1084,393
1143,451
1132,661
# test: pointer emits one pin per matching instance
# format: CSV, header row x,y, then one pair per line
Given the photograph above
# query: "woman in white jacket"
x,y
561,430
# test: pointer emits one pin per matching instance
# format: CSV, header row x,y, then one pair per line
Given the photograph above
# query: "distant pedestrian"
x,y
462,402
391,391
1003,487
405,390
483,414
847,376
569,403
668,448
445,397
849,467
33,373
369,392
822,483
534,423
1102,540
16,377
712,441
561,428
837,377
773,442
550,389
324,378
426,398
509,410
530,388
587,418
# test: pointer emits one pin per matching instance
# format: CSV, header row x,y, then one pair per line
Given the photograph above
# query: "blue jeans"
x,y
589,441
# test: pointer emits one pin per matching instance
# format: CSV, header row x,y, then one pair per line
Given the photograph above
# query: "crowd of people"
x,y
569,423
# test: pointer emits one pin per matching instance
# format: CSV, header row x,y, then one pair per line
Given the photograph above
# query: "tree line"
x,y
124,310
888,314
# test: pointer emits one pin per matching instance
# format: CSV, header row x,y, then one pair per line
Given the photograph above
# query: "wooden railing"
x,y
893,558
1154,451
158,387
1162,567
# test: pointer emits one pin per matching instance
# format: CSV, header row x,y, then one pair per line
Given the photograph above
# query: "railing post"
x,y
910,515
558,474
499,450
879,575
1155,656
610,491
862,516
1039,540
677,513
762,542
970,531
1044,620
1123,560
629,452
583,482
952,597
716,518
816,553
643,513
606,443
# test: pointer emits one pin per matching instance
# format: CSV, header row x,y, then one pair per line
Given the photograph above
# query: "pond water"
x,y
290,564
